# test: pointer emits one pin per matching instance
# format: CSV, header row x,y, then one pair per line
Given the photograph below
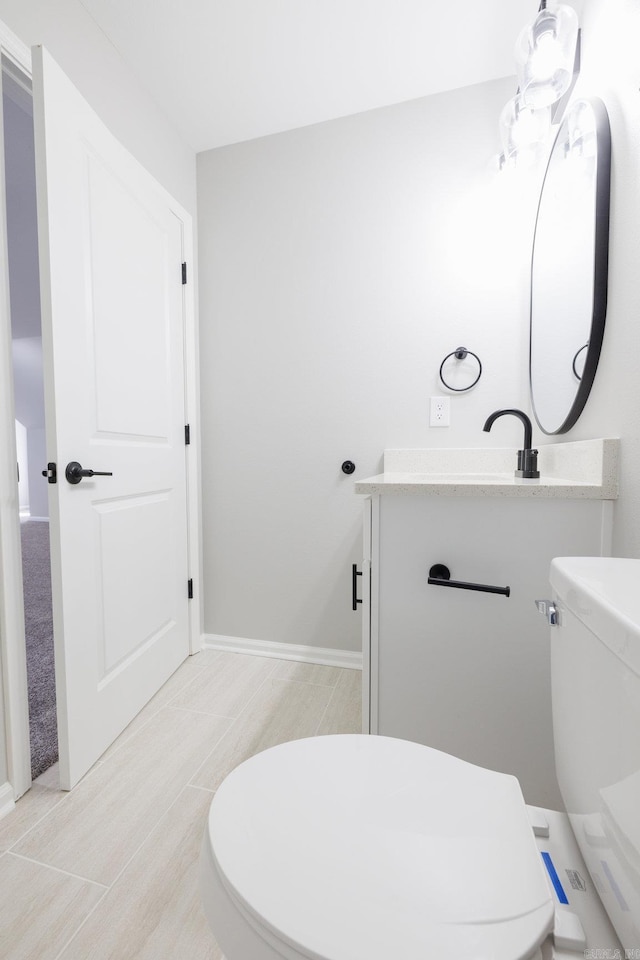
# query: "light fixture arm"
x,y
557,110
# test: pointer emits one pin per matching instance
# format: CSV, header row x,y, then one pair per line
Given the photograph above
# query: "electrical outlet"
x,y
439,412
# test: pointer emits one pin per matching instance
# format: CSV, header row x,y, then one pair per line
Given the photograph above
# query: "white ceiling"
x,y
231,70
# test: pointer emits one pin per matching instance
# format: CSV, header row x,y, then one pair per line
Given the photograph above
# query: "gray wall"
x,y
93,64
354,253
339,264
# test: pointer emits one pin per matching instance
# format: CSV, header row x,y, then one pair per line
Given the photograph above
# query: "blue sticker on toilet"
x,y
555,879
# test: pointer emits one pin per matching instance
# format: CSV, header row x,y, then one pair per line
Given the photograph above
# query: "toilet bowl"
x,y
351,847
359,847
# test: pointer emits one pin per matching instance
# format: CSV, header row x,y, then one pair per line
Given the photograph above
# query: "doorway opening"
x,y
27,361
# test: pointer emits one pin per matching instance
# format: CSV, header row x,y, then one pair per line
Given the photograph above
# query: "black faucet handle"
x,y
528,464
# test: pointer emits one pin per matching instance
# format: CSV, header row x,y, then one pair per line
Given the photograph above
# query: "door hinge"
x,y
184,273
51,473
187,434
190,589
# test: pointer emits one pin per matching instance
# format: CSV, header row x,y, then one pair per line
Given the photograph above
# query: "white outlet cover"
x,y
439,414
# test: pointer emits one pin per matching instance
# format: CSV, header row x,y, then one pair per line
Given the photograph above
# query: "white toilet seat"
x,y
339,848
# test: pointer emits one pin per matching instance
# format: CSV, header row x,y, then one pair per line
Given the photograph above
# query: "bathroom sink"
x,y
585,469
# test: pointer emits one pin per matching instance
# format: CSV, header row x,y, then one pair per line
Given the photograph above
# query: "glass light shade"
x,y
582,134
545,55
523,130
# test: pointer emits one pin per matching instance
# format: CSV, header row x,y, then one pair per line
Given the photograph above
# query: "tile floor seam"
x,y
81,925
107,890
268,676
164,706
178,693
246,656
185,784
190,782
205,713
236,719
305,663
66,873
259,688
142,843
37,823
274,686
254,695
109,887
197,786
309,683
111,750
152,827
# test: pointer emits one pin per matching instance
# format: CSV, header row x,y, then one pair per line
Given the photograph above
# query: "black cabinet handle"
x,y
440,576
355,573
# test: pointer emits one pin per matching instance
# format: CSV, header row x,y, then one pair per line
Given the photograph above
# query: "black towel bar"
x,y
440,576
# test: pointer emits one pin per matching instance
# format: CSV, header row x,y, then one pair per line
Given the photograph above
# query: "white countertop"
x,y
586,469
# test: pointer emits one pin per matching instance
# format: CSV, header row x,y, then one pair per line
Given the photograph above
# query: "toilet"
x,y
358,847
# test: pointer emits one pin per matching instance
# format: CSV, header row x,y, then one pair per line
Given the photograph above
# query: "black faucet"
x,y
527,458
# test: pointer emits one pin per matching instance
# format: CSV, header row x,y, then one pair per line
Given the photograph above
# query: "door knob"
x,y
74,472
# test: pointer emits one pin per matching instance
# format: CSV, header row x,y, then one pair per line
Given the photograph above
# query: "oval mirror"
x,y
569,267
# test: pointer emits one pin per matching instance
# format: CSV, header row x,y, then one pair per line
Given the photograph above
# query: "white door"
x,y
113,335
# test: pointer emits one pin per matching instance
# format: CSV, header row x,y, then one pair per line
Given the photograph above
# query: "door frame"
x,y
13,670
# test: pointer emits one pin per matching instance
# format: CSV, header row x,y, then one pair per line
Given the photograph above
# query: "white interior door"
x,y
113,335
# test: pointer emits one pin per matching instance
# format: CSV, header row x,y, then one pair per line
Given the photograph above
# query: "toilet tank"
x,y
595,684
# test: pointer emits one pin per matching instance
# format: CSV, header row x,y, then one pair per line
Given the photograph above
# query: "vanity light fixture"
x,y
547,58
524,130
546,55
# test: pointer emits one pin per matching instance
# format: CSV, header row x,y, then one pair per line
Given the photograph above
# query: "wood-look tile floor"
x,y
109,871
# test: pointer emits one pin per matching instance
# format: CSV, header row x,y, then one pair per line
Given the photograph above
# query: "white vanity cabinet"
x,y
463,671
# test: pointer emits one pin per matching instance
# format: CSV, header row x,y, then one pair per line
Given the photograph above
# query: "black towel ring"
x,y
461,353
573,365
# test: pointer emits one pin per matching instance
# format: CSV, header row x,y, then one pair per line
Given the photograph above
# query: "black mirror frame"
x,y
600,266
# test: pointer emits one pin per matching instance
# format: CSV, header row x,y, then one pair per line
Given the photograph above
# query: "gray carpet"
x,y
36,572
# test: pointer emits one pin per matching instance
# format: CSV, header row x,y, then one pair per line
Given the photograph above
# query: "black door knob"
x,y
74,472
348,466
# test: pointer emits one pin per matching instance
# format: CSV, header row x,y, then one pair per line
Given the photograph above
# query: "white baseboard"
x,y
327,656
7,803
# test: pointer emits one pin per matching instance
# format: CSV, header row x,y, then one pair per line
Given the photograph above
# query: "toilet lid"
x,y
353,846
